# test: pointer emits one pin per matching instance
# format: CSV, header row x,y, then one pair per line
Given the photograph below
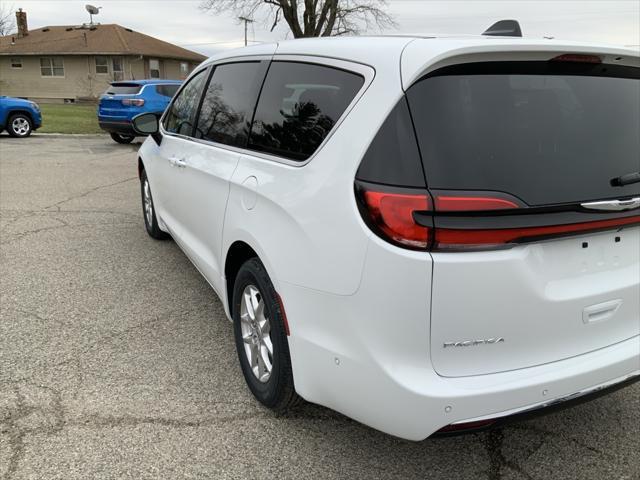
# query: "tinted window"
x,y
183,109
167,90
538,131
123,89
393,157
299,105
229,102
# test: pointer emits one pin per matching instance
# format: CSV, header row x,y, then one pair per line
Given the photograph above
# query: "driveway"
x,y
116,360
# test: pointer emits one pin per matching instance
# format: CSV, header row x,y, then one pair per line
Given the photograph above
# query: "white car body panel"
x,y
368,319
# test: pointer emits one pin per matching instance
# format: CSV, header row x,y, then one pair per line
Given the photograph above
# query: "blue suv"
x,y
18,116
124,100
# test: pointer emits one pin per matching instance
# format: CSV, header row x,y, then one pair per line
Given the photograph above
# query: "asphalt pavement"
x,y
117,362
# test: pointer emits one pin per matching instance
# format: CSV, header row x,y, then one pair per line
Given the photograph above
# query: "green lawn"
x,y
69,119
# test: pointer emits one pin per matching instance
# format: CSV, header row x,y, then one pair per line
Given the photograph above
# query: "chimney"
x,y
21,21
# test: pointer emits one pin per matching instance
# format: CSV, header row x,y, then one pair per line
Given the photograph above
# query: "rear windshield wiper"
x,y
627,179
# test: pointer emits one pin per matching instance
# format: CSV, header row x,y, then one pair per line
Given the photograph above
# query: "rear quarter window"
x,y
299,106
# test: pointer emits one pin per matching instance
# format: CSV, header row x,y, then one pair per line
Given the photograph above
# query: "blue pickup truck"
x,y
19,117
124,100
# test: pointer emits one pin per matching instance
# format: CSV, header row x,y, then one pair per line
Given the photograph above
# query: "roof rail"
x,y
504,28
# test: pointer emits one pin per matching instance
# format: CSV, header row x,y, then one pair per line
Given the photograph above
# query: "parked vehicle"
x,y
429,235
124,100
19,117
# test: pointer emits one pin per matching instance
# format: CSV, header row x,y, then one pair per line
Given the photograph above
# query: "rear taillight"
x,y
411,219
447,239
133,102
391,213
449,203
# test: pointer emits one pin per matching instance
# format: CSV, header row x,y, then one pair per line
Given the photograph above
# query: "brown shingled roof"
x,y
108,39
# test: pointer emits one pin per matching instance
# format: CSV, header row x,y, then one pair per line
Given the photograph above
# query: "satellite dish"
x,y
92,11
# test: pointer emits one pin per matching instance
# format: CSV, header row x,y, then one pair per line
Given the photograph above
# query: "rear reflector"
x,y
285,321
465,427
137,102
392,214
577,58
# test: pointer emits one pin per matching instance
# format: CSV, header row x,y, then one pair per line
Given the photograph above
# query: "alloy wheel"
x,y
148,203
20,126
256,333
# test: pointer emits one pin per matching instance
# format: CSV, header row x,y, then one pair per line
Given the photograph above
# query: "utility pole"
x,y
246,21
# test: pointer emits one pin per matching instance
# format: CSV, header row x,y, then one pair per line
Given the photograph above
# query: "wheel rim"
x,y
20,126
256,333
148,203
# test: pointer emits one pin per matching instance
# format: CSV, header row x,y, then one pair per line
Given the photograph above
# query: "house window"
x,y
16,62
184,69
118,69
102,65
154,68
52,67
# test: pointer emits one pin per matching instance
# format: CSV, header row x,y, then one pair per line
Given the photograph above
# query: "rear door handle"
x,y
177,162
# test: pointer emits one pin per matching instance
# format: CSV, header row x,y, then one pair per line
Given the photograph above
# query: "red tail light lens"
x,y
392,214
136,102
455,239
447,203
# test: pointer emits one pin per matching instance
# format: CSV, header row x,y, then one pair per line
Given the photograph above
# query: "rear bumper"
x,y
368,356
123,127
525,413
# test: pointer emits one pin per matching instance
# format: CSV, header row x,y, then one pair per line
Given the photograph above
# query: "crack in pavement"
x,y
19,236
12,423
493,442
56,205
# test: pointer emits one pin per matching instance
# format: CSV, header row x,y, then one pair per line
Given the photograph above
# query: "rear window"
x,y
167,90
299,105
123,89
545,133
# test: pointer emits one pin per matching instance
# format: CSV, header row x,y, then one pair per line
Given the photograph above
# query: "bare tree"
x,y
7,20
311,18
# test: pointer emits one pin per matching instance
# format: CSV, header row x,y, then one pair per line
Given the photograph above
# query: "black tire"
x,y
19,125
278,391
123,139
150,219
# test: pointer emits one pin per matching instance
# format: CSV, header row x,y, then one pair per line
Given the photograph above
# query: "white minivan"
x,y
429,235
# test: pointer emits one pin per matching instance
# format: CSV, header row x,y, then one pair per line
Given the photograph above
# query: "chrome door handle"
x,y
177,162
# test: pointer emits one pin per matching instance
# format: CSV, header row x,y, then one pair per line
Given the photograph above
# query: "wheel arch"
x,y
15,111
140,167
237,254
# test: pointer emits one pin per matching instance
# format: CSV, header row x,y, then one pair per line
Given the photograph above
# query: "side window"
x,y
182,111
229,101
299,105
168,90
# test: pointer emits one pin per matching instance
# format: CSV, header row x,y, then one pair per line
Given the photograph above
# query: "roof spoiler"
x,y
504,28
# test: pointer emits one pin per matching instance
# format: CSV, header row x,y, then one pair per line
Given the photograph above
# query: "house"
x,y
74,63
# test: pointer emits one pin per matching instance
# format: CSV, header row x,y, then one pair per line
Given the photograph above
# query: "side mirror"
x,y
146,124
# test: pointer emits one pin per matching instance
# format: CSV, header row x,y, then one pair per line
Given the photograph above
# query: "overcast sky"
x,y
182,23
